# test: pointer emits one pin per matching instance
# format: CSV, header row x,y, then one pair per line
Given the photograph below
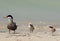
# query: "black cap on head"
x,y
50,27
31,25
10,16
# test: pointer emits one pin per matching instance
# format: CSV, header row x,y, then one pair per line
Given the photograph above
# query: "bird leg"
x,y
14,31
9,31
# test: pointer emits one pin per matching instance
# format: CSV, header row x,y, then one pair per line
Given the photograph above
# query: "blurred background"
x,y
31,10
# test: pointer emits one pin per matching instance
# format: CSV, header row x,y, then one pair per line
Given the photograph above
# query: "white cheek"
x,y
9,17
29,26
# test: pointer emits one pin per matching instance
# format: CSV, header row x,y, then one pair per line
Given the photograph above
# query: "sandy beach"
x,y
26,37
23,34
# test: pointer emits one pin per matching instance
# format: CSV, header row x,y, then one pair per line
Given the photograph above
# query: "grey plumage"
x,y
11,25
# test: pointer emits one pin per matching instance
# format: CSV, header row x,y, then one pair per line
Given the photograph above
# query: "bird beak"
x,y
5,17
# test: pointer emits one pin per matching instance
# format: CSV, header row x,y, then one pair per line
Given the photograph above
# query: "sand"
x,y
24,35
40,36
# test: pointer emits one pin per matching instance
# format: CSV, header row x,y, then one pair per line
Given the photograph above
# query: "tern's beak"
x,y
5,17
